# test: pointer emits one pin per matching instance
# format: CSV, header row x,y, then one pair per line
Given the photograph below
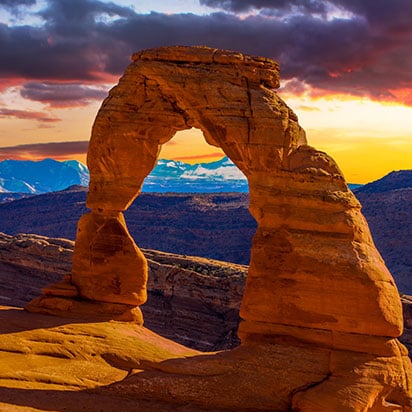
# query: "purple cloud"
x,y
363,47
311,6
62,95
27,115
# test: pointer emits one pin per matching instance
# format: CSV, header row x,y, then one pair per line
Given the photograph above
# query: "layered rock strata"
x,y
194,301
312,242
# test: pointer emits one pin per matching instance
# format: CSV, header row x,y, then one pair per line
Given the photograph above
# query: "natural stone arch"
x,y
315,275
230,98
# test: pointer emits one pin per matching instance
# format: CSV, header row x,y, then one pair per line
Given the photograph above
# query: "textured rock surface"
x,y
312,242
49,363
194,301
50,346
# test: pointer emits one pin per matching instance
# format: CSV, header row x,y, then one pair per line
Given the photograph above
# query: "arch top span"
x,y
258,70
227,95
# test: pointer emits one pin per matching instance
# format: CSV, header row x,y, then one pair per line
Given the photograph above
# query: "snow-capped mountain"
x,y
48,175
176,176
223,169
81,169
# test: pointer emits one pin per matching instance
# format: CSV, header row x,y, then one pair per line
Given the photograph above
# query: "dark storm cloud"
x,y
62,95
43,150
366,51
27,115
70,44
312,6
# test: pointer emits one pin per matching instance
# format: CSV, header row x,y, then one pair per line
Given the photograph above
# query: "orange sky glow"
x,y
368,139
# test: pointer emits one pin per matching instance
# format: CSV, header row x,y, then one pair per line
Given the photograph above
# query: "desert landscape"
x,y
205,205
311,324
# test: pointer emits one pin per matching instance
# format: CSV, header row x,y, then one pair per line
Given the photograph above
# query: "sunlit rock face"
x,y
315,277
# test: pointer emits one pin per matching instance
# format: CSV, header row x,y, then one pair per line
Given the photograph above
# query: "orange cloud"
x,y
38,151
200,156
27,115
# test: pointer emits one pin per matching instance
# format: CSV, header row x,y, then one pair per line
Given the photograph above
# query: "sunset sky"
x,y
346,68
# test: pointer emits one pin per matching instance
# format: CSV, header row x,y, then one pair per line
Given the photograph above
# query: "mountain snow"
x,y
48,175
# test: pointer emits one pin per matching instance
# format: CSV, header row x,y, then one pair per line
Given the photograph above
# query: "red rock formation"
x,y
194,301
312,243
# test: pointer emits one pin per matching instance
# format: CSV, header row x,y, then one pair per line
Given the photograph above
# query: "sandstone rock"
x,y
37,252
49,363
107,265
312,243
173,282
194,301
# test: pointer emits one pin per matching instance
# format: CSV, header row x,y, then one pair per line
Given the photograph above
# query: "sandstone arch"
x,y
315,275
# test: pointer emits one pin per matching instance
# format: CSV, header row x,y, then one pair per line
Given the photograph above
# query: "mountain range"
x,y
34,177
48,175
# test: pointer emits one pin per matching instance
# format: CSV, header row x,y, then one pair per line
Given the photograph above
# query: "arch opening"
x,y
200,215
201,209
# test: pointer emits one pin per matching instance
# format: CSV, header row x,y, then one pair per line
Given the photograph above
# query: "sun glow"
x,y
191,147
368,139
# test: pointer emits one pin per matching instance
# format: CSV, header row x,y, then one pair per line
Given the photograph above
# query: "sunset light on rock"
x,y
206,205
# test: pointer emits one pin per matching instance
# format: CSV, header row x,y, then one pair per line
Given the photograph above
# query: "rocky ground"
x,y
192,300
49,363
53,364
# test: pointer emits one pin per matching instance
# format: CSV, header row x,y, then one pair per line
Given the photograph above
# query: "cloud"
x,y
313,6
339,46
27,115
57,150
308,108
62,95
13,5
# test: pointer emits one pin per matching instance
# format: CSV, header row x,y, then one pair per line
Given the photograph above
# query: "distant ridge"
x,y
48,175
35,177
168,176
217,226
401,179
75,188
387,205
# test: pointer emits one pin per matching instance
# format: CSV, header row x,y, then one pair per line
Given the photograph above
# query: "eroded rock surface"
x,y
50,363
194,301
312,242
